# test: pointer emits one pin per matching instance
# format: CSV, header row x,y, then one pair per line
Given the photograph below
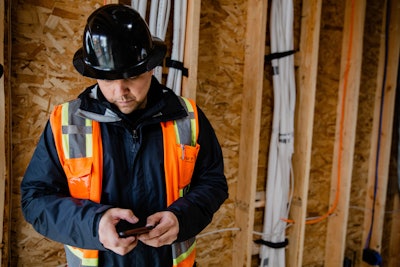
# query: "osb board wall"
x,y
220,80
46,34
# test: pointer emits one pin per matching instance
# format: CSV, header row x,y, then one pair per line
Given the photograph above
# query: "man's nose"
x,y
120,87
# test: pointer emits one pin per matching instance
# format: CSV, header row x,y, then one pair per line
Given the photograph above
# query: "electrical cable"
x,y
331,210
342,115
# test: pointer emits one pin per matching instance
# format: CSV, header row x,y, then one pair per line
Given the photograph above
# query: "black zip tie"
x,y
176,65
277,55
272,244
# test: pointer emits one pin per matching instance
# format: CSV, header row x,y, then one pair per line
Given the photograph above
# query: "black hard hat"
x,y
117,44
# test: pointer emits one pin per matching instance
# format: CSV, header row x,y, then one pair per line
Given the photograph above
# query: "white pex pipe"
x,y
174,79
158,23
140,6
278,193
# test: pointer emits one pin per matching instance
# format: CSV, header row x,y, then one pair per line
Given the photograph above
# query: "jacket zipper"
x,y
135,135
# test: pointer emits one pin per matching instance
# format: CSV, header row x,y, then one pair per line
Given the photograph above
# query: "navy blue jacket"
x,y
133,178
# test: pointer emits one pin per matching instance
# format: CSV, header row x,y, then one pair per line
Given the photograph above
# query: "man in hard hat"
x,y
126,153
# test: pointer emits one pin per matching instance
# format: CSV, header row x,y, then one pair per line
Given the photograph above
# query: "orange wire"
x,y
345,82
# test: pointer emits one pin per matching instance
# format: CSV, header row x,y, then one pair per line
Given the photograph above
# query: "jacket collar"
x,y
162,105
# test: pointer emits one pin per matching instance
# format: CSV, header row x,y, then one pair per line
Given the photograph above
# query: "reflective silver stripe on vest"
x,y
185,128
76,132
182,250
75,258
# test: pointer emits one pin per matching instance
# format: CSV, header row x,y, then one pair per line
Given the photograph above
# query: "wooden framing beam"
x,y
383,120
307,80
250,130
346,121
3,137
190,58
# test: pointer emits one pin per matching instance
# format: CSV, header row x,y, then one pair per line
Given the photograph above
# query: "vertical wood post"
x,y
346,122
307,80
190,58
5,147
250,130
2,129
383,120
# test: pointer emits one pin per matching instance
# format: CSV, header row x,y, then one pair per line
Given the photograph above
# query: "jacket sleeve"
x,y
47,204
208,189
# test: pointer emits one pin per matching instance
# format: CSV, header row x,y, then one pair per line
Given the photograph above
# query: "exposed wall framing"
x,y
378,169
235,93
327,242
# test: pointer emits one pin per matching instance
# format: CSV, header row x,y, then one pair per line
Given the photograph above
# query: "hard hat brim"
x,y
153,60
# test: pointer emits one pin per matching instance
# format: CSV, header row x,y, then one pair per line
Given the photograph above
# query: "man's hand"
x,y
165,232
108,235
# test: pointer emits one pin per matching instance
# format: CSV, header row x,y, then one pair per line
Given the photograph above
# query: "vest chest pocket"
x,y
187,156
78,171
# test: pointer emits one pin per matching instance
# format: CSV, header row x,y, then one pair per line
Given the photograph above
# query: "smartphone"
x,y
135,231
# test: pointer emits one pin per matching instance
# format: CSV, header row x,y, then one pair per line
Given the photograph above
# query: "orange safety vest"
x,y
79,147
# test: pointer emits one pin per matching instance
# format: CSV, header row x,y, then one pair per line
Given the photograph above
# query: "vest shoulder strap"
x,y
180,155
79,148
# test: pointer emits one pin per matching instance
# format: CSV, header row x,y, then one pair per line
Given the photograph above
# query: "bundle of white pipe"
x,y
140,6
158,21
279,176
158,24
174,79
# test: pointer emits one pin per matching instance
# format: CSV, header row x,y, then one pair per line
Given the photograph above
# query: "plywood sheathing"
x,y
46,34
219,95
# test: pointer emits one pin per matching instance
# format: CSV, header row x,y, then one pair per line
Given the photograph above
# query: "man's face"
x,y
127,94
